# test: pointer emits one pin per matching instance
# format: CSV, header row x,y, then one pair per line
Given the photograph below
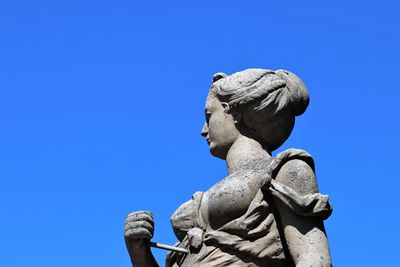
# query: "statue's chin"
x,y
218,152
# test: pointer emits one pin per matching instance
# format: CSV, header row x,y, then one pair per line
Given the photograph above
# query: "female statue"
x,y
267,211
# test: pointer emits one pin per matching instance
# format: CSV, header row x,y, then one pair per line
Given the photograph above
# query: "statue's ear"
x,y
237,116
226,107
219,75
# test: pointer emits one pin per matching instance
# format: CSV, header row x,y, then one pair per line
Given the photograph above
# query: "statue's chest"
x,y
230,198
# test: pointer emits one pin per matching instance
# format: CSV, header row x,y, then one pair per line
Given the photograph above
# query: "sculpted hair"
x,y
267,100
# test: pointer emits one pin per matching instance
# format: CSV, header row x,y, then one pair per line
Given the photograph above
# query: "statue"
x,y
267,211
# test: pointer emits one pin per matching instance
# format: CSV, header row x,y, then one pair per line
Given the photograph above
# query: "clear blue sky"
x,y
102,103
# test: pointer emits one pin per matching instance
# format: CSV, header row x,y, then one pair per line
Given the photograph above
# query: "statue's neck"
x,y
243,151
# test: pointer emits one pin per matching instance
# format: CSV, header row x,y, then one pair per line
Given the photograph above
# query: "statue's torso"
x,y
237,223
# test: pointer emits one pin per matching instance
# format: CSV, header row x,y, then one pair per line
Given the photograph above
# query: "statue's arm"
x,y
305,236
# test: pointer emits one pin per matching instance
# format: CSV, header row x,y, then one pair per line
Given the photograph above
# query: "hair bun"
x,y
299,96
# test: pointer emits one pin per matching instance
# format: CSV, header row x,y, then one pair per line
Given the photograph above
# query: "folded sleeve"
x,y
312,205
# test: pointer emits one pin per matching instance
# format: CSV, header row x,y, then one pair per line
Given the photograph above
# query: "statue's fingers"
x,y
140,217
139,224
137,233
137,213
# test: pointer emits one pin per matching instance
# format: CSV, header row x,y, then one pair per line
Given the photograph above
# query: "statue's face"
x,y
219,128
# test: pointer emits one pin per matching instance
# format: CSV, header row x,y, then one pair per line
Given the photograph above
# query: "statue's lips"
x,y
208,140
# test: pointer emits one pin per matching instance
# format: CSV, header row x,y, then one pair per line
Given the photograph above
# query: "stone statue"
x,y
267,211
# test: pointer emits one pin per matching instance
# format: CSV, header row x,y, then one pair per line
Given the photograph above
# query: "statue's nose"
x,y
204,131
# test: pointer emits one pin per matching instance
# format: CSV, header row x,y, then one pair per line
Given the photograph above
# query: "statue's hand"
x,y
138,230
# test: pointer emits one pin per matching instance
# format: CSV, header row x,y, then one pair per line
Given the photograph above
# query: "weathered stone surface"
x,y
267,211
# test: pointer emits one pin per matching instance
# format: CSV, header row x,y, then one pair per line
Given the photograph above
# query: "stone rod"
x,y
167,247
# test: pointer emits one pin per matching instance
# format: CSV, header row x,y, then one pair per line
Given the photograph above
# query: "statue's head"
x,y
261,104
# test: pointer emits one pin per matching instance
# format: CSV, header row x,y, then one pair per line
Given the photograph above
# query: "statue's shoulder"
x,y
296,170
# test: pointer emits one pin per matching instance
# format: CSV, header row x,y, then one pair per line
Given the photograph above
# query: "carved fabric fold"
x,y
254,234
314,205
